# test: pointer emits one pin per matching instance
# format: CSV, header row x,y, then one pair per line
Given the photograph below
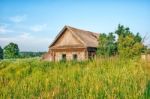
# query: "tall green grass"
x,y
110,78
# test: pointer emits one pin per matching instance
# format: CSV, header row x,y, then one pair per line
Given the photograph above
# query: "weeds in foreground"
x,y
100,78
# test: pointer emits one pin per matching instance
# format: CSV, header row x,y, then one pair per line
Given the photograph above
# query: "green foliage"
x,y
148,51
129,45
1,53
30,54
105,78
11,51
107,45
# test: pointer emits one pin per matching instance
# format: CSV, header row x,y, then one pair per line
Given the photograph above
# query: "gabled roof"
x,y
89,39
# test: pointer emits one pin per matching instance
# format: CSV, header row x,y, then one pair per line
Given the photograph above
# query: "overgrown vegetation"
x,y
110,78
127,45
148,51
30,54
107,45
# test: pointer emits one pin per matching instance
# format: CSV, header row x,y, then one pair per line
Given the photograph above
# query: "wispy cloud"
x,y
27,42
4,30
18,18
25,35
38,28
21,37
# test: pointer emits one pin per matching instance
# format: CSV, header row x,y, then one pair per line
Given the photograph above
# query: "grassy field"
x,y
110,78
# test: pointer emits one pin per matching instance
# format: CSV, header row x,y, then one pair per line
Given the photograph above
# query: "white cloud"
x,y
4,30
18,19
38,28
27,42
25,35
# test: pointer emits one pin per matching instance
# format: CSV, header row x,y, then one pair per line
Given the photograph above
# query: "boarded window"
x,y
75,56
63,57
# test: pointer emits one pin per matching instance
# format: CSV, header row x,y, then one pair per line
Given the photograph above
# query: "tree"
x,y
107,45
111,45
1,53
129,45
11,51
101,50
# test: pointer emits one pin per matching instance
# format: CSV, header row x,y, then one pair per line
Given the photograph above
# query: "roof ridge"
x,y
87,38
79,29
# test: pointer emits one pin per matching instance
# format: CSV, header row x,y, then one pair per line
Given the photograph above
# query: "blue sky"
x,y
33,24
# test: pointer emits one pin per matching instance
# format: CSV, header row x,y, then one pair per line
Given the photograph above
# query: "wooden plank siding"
x,y
81,53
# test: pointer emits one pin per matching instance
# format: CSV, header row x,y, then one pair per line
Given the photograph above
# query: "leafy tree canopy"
x,y
11,51
107,45
129,44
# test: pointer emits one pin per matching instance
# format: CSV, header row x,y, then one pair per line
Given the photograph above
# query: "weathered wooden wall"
x,y
69,55
146,57
67,39
80,52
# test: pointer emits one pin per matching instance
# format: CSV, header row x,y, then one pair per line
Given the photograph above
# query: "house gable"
x,y
67,39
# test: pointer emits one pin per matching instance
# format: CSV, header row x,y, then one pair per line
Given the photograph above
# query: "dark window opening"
x,y
91,55
64,57
75,56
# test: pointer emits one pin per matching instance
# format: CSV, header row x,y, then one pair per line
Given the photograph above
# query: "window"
x,y
64,57
91,55
75,56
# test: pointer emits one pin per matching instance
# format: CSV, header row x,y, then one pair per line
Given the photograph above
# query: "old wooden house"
x,y
72,44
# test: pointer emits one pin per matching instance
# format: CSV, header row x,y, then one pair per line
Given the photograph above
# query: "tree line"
x,y
12,51
127,44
